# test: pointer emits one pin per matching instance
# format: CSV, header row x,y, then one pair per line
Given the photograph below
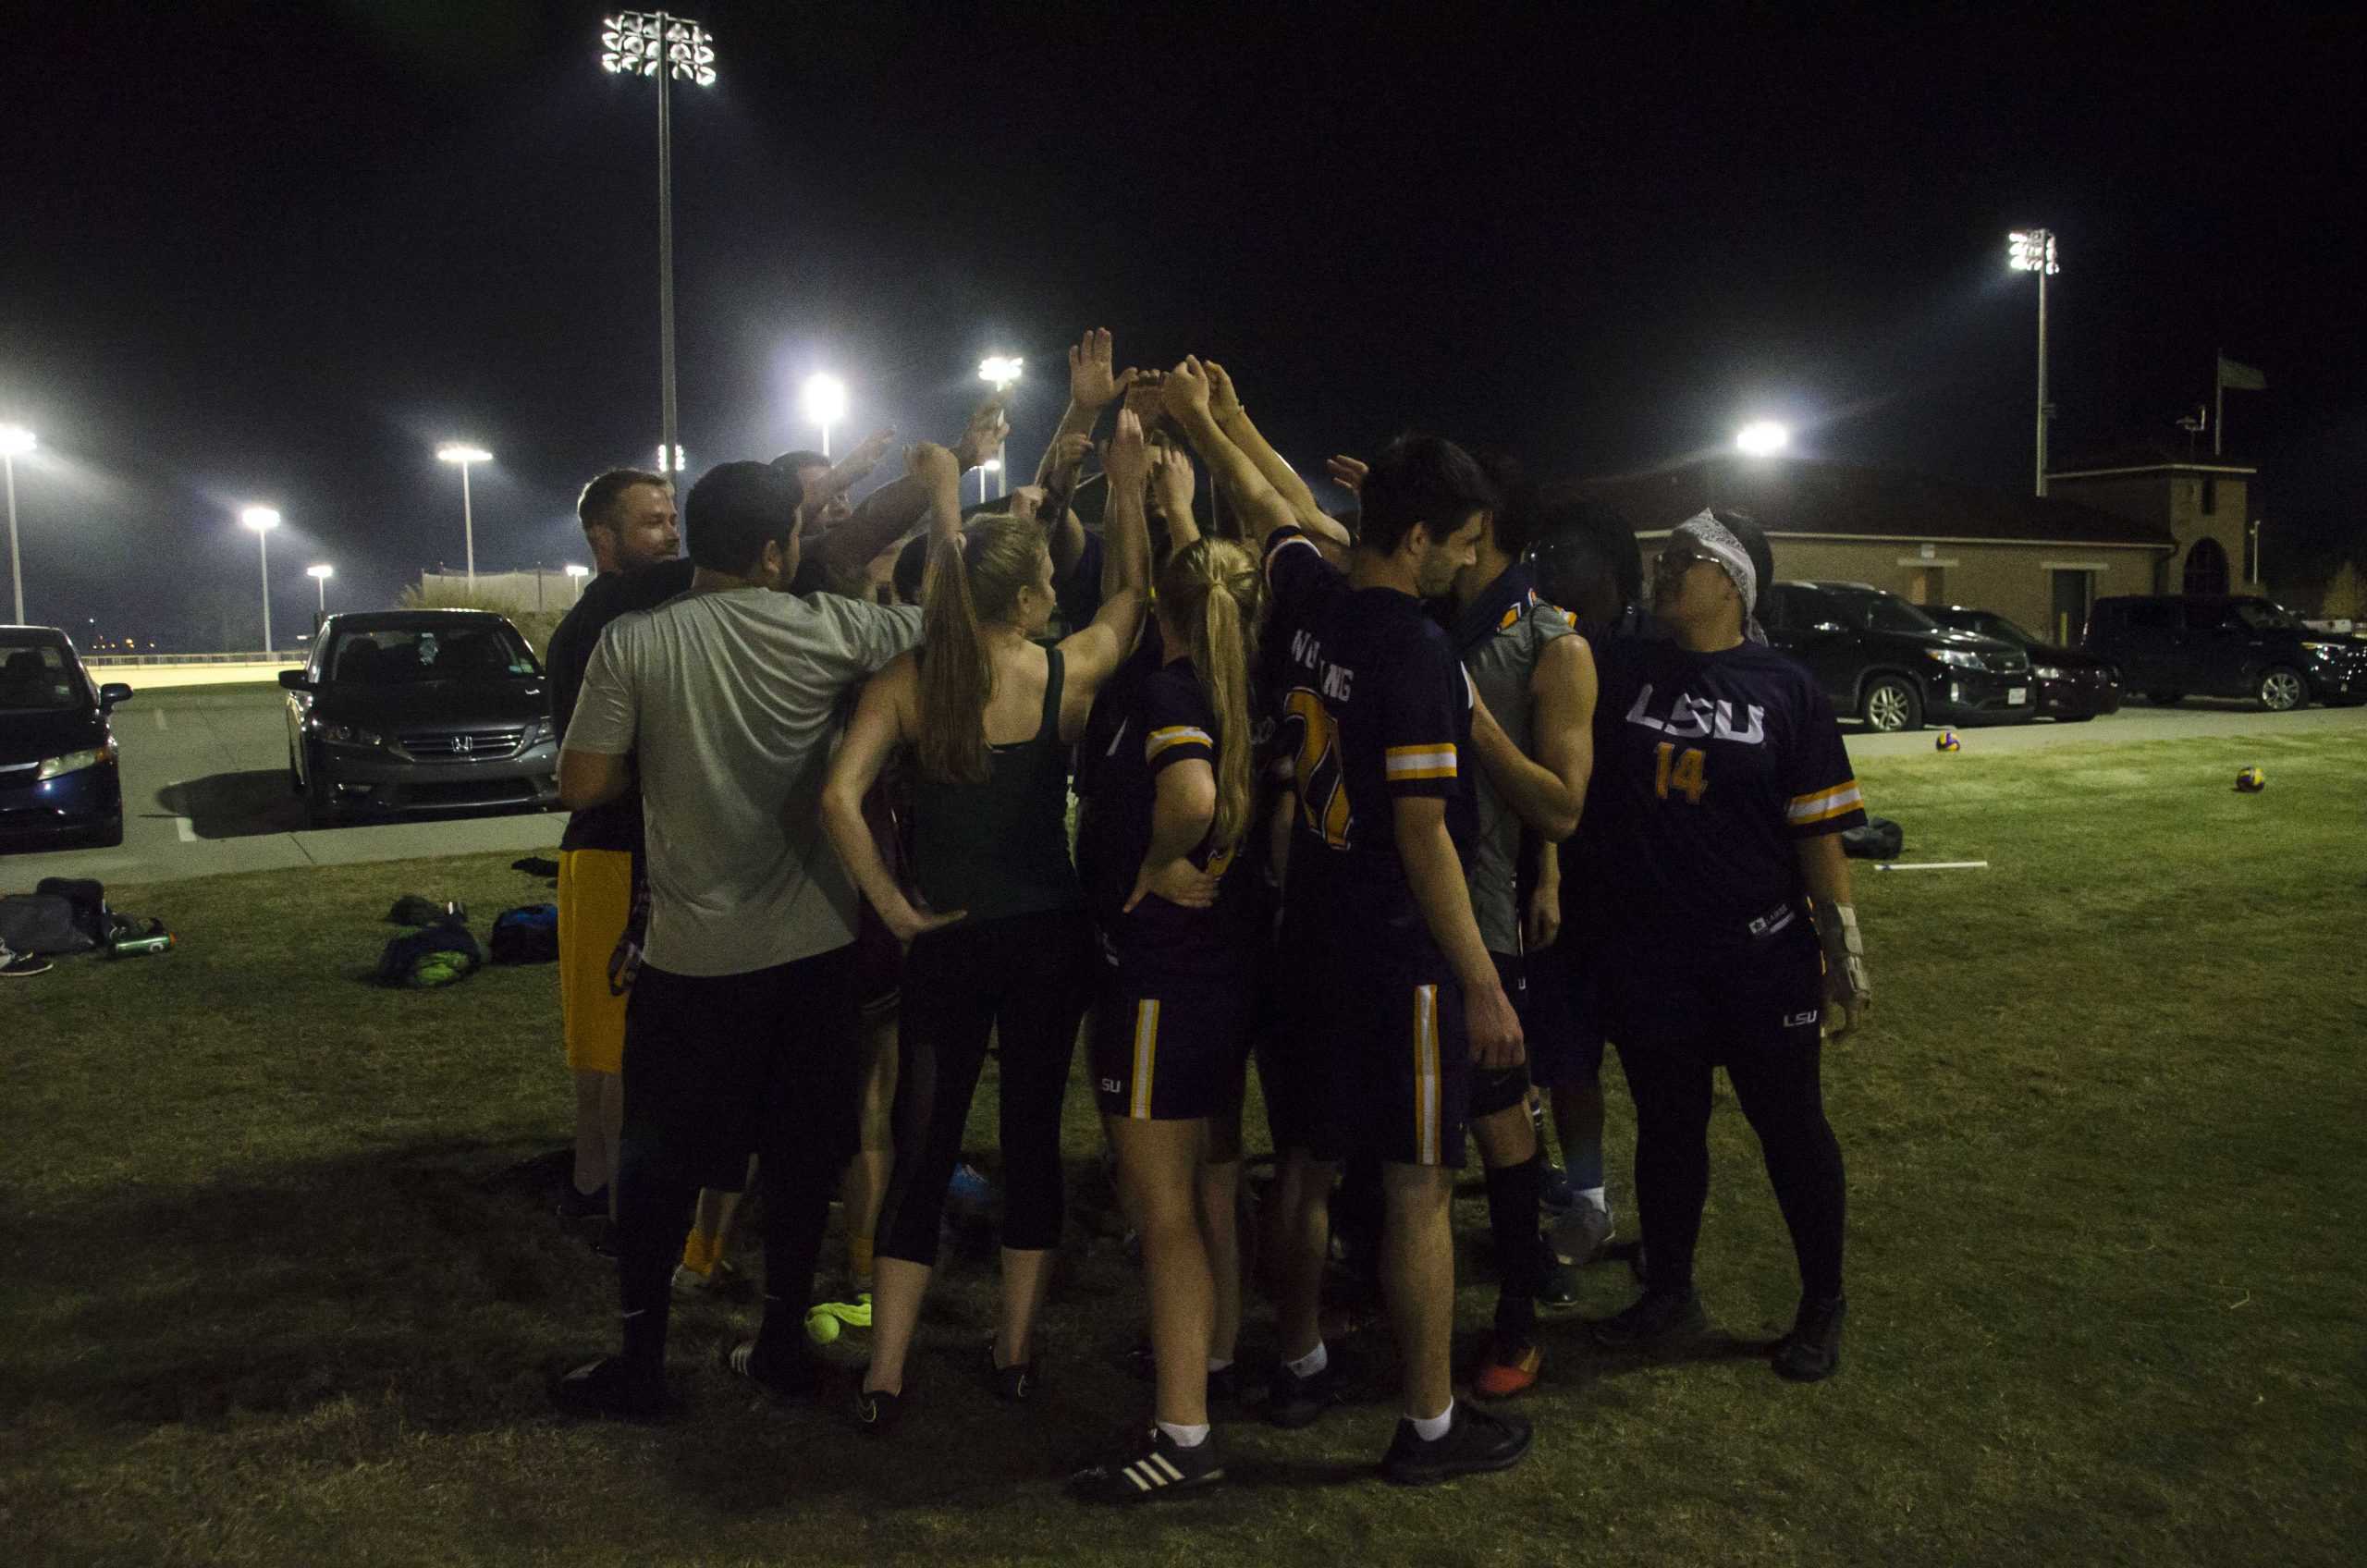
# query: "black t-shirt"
x,y
1373,705
615,825
1153,716
1708,770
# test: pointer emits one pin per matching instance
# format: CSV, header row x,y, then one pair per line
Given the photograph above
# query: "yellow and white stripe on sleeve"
x,y
1404,764
1825,804
1159,740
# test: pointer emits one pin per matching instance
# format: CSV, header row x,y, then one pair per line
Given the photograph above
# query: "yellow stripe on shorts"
x,y
1425,1074
1146,1057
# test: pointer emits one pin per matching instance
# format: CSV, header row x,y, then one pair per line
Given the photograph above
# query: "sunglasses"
x,y
1679,559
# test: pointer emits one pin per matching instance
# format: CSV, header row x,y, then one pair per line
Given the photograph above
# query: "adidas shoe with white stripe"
x,y
1155,1467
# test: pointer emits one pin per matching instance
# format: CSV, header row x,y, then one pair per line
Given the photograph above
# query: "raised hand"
x,y
984,434
1142,397
1125,456
1069,451
1171,480
1225,403
1348,474
927,459
1091,385
866,454
1185,391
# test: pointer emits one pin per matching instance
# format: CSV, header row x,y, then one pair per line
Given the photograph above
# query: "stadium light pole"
x,y
672,469
825,404
1001,372
575,575
263,519
2032,249
462,454
670,48
319,576
14,441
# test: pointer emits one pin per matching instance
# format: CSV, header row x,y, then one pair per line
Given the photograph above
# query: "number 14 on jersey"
x,y
1681,770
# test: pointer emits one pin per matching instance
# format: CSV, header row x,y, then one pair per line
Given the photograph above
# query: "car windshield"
x,y
1886,612
2262,615
2005,630
407,656
37,677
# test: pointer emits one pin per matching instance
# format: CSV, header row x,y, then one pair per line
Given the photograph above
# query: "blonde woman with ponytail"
x,y
1160,843
1003,949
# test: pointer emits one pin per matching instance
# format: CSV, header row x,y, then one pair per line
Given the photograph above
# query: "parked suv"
x,y
2071,685
419,710
1880,658
2173,646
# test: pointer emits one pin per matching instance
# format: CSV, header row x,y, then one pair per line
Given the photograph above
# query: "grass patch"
x,y
270,1299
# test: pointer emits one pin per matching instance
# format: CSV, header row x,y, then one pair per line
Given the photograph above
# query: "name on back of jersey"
x,y
1331,679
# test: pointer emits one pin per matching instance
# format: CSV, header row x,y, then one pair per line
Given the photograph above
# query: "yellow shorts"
x,y
594,901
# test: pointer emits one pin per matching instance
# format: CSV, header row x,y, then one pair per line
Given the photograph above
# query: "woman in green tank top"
x,y
1003,952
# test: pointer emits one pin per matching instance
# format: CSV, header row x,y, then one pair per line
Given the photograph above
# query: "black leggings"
x,y
1022,980
1782,1099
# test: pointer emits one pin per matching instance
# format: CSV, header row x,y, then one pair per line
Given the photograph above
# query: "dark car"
x,y
59,783
2071,684
419,710
1884,660
2173,645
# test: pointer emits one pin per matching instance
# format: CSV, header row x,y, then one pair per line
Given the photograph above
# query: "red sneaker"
x,y
1510,1367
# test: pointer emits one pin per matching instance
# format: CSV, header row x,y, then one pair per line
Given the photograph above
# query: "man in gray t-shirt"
x,y
741,1033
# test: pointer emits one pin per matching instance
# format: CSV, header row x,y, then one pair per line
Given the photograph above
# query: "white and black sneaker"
x,y
1156,1465
15,966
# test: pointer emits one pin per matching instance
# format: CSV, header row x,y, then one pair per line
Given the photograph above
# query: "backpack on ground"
x,y
92,916
526,934
1881,839
432,955
40,922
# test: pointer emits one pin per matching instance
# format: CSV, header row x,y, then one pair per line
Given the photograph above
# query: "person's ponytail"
x,y
956,679
1221,636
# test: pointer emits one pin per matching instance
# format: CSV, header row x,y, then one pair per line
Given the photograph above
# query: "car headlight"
x,y
1959,659
2046,672
2321,650
539,731
73,762
349,735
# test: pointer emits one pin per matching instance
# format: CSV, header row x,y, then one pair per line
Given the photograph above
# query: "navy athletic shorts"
x,y
1500,1088
1716,1000
1170,1050
1564,1017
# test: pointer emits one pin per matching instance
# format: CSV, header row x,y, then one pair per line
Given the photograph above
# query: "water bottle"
x,y
133,947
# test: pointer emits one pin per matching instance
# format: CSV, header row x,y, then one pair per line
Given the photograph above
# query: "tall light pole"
x,y
2032,249
670,48
14,441
319,576
825,404
462,454
575,575
992,465
1000,371
263,519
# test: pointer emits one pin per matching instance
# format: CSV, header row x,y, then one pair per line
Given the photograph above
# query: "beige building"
x,y
2142,525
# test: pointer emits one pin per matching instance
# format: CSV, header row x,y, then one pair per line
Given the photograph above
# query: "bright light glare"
x,y
638,42
14,441
992,465
1762,438
575,571
460,452
2031,251
320,572
1000,369
825,400
661,460
263,519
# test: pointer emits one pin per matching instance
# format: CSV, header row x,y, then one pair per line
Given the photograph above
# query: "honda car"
x,y
58,779
419,710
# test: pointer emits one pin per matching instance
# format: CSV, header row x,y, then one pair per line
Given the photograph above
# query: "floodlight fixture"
x,y
319,576
2032,249
263,519
1002,370
575,568
670,469
460,452
320,572
1762,438
14,441
825,404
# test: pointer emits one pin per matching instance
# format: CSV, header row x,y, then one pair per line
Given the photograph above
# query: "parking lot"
x,y
205,789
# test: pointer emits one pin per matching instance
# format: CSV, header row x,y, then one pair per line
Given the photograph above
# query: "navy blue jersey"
x,y
1155,716
1374,706
1708,770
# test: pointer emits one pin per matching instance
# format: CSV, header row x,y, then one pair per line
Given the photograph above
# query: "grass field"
x,y
268,1297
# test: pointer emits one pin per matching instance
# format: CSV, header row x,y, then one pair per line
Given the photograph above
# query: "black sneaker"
x,y
1557,1194
1812,1352
1152,1466
1656,1315
877,1411
611,1388
22,966
1016,1382
573,1204
793,1374
1293,1401
1478,1439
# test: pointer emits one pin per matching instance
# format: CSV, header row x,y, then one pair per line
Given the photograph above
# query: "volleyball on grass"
x,y
2251,781
1948,742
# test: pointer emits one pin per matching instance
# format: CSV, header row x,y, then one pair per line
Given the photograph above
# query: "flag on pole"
x,y
2242,377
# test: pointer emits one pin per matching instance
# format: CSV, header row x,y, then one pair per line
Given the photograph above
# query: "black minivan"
x,y
2173,645
1884,660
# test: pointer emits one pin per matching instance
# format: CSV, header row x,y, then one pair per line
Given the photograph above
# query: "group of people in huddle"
x,y
1411,808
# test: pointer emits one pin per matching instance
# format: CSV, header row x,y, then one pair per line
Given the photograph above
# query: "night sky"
x,y
275,254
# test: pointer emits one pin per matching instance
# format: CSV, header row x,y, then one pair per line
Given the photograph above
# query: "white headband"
x,y
1718,541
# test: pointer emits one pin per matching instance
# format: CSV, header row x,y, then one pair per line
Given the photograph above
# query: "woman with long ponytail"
x,y
1002,949
1161,841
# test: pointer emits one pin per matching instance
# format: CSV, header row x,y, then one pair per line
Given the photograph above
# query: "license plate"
x,y
2015,696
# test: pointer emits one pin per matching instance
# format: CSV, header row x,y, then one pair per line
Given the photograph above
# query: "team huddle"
x,y
1407,810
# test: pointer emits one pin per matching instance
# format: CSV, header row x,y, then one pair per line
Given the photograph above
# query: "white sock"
x,y
1185,1437
1432,1429
1219,1364
1307,1365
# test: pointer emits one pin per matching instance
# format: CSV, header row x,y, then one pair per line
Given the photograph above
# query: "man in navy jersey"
x,y
1377,919
1719,793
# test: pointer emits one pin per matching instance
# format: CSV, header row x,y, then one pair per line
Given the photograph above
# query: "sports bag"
x,y
92,916
1881,839
526,934
40,922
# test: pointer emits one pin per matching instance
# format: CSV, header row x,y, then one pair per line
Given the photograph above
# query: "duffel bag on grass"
x,y
40,922
1881,839
526,934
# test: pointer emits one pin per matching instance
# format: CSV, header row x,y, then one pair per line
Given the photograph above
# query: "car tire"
x,y
2283,689
109,834
318,811
1892,706
2073,717
2164,698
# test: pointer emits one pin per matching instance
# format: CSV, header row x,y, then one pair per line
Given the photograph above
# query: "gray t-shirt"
x,y
1501,666
732,701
